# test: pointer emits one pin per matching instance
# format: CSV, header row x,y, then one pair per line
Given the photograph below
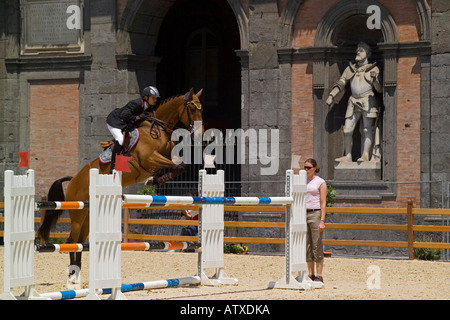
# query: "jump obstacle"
x,y
129,246
62,205
105,230
158,284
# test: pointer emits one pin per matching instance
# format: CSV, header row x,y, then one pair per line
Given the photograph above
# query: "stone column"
x,y
263,107
11,131
105,85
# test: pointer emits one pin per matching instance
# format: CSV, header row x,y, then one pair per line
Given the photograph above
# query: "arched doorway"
x,y
196,43
199,42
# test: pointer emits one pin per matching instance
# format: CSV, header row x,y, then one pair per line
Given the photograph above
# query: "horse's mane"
x,y
158,121
169,99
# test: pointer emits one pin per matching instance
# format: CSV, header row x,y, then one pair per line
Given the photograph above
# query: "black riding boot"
x,y
114,151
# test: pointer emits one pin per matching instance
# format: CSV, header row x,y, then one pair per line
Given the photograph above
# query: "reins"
x,y
155,132
157,124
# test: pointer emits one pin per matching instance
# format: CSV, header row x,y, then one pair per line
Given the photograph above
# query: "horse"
x,y
151,154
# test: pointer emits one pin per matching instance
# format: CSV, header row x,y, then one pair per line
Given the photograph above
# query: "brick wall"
x,y
406,19
307,20
302,111
53,131
302,125
408,128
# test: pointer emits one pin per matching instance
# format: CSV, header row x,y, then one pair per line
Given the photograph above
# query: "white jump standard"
x,y
19,236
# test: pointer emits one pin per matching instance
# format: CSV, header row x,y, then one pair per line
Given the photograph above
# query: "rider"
x,y
134,111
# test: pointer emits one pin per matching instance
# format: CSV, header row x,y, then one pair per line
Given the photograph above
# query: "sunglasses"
x,y
307,168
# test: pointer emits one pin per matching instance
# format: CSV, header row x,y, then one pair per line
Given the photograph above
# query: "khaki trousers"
x,y
314,246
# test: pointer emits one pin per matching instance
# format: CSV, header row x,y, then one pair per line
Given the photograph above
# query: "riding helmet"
x,y
150,91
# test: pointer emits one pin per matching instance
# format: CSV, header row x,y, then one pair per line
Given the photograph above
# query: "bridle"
x,y
156,123
187,107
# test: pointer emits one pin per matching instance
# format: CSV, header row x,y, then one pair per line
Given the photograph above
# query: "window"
x,y
202,65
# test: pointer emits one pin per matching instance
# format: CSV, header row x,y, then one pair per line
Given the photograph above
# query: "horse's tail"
x,y
55,193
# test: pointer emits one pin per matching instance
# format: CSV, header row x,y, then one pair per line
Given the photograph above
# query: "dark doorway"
x,y
196,43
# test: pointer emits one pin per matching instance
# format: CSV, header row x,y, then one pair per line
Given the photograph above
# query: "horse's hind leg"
x,y
74,270
78,234
74,279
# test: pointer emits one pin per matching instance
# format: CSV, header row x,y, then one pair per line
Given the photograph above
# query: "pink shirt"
x,y
313,193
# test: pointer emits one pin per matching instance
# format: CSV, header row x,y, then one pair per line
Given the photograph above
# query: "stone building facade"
x,y
263,64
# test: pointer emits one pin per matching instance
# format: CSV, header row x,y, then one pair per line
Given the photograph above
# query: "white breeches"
x,y
116,133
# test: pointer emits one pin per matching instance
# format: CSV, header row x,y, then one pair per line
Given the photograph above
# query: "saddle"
x,y
126,141
130,139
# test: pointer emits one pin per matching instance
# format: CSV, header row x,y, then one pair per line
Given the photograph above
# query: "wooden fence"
x,y
409,211
410,227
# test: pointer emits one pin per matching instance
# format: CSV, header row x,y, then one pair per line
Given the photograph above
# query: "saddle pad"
x,y
105,156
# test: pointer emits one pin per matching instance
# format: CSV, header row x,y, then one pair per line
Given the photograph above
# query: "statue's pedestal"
x,y
357,171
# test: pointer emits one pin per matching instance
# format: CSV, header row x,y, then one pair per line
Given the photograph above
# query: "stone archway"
x,y
153,37
197,47
179,44
139,28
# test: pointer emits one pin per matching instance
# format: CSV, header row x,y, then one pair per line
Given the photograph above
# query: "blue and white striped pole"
x,y
166,200
158,284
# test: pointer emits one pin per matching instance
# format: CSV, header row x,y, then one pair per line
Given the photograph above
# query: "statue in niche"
x,y
364,79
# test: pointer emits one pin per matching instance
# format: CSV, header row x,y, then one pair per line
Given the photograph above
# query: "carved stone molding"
x,y
69,62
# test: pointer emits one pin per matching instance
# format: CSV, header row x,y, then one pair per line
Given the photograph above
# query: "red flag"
x,y
24,159
122,163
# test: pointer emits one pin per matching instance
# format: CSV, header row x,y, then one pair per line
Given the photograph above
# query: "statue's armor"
x,y
360,86
363,96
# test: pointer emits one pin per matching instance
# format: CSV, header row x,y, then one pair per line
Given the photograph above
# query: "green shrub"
x,y
331,195
235,248
147,190
427,253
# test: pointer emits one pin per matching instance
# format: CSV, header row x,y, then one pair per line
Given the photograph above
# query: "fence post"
x,y
211,230
410,214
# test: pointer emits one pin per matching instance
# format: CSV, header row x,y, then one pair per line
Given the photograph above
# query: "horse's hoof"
x,y
74,279
149,182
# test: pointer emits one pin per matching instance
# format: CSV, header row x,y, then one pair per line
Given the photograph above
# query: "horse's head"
x,y
191,116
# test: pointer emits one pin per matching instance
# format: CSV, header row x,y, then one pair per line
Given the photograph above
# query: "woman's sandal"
x,y
318,278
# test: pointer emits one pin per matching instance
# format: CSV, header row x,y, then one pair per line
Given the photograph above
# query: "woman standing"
x,y
316,205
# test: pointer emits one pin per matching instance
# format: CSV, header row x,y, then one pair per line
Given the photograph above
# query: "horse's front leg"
x,y
172,174
159,162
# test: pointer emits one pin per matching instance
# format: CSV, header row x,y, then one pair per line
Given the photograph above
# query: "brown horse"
x,y
151,154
